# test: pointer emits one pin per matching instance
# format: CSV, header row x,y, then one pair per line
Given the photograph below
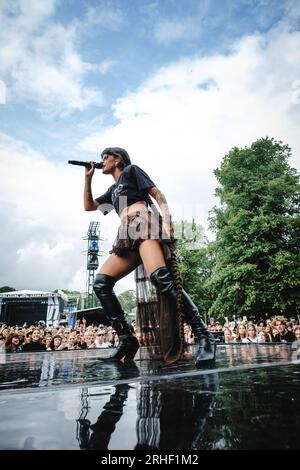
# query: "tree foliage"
x,y
7,289
196,261
257,233
73,297
128,300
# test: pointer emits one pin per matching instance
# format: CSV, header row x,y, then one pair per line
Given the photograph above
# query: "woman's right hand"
x,y
89,170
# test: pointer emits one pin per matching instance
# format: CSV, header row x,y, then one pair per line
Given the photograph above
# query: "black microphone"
x,y
87,164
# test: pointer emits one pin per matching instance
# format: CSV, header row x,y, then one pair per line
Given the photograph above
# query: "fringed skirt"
x,y
135,228
157,322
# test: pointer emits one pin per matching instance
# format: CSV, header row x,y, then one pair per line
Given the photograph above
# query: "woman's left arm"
x,y
164,208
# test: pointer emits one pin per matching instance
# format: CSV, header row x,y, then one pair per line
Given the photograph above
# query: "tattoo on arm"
x,y
88,196
161,201
158,196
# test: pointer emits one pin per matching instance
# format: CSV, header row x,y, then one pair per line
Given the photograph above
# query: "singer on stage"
x,y
143,237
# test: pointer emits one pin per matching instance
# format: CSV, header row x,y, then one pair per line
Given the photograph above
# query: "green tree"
x,y
128,300
73,297
257,233
7,289
196,260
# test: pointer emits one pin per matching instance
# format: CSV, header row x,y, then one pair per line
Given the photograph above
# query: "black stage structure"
x,y
93,316
31,307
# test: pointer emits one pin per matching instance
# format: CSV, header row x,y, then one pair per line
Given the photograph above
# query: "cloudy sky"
x,y
177,83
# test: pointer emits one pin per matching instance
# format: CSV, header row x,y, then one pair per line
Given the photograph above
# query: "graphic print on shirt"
x,y
117,191
134,186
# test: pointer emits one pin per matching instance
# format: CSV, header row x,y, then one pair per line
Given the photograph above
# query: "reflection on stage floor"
x,y
248,399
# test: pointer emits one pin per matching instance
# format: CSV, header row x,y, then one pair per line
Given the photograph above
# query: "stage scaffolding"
x,y
93,254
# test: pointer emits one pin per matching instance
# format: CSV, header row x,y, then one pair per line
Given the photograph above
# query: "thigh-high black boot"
x,y
128,344
163,281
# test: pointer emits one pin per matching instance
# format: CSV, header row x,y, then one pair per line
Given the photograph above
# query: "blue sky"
x,y
165,79
134,38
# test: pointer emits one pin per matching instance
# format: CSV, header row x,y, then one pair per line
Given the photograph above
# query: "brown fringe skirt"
x,y
157,320
134,229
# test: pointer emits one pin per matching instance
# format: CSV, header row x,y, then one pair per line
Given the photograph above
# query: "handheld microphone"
x,y
87,164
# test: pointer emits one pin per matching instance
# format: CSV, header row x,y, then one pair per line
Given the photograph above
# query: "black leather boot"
x,y
163,281
128,344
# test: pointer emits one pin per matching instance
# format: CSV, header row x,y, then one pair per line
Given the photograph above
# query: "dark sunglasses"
x,y
113,154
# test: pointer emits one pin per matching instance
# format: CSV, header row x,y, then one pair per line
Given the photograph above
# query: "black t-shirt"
x,y
33,347
288,337
133,185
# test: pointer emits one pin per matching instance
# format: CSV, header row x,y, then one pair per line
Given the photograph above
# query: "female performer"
x,y
142,238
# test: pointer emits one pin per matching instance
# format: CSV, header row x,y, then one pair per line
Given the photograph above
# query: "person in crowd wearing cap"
x,y
101,340
143,238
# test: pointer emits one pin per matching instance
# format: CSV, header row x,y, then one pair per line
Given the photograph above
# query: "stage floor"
x,y
248,399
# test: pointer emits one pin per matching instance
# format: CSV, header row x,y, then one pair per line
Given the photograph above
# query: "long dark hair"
x,y
8,343
175,271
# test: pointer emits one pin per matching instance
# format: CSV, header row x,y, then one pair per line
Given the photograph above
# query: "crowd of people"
x,y
42,338
272,330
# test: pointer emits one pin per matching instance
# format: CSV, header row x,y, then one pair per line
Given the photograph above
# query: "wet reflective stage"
x,y
248,399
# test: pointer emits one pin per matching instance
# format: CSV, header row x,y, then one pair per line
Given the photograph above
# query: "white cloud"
x,y
293,8
2,92
177,26
220,19
105,66
177,125
41,204
105,15
40,61
181,121
28,13
168,31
